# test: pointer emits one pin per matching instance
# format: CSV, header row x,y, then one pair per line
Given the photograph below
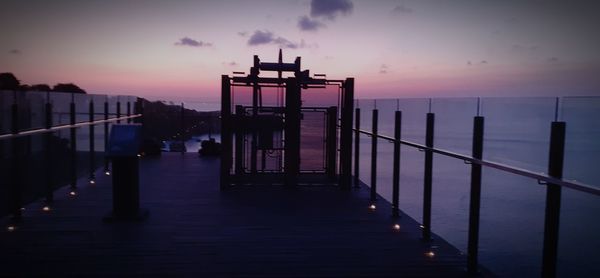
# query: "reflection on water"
x,y
192,145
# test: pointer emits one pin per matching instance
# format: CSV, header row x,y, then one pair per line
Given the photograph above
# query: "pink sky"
x,y
173,49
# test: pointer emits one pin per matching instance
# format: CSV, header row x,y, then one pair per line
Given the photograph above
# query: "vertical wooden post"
x,y
106,160
374,156
239,142
346,135
226,153
73,139
331,142
357,148
475,197
128,111
427,179
396,171
553,199
292,132
48,163
92,138
16,183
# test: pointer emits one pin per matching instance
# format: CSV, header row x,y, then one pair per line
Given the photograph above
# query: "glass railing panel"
x,y
582,138
454,123
6,101
579,229
32,107
517,131
512,224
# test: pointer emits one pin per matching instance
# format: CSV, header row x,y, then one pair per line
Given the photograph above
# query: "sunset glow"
x,y
168,49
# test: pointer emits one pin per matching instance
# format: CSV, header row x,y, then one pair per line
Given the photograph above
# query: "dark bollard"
x,y
427,179
553,196
374,157
475,198
124,146
396,171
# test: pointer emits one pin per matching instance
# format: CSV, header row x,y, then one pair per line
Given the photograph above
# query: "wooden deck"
x,y
196,230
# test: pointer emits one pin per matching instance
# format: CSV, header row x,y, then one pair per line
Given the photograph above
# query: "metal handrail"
x,y
66,126
542,178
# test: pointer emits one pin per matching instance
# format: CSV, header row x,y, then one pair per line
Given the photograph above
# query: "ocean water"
x,y
517,133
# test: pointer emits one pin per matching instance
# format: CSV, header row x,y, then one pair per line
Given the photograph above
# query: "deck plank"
x,y
195,229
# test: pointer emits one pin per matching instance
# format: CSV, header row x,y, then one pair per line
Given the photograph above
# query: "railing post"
x,y
374,157
48,164
357,148
128,111
118,110
16,182
396,172
553,198
182,129
73,138
106,160
226,152
475,199
92,149
427,179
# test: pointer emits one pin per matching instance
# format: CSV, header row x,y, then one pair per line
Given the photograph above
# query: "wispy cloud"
x,y
383,69
307,24
401,9
14,51
267,37
186,41
330,8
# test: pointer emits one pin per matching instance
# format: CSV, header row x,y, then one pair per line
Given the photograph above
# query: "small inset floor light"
x,y
139,155
396,227
92,182
72,193
46,208
421,226
22,208
372,207
430,254
11,228
107,173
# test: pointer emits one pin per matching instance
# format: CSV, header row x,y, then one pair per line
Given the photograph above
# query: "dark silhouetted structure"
x,y
269,130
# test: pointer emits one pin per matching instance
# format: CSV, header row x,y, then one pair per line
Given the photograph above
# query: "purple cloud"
x,y
267,37
185,41
383,69
402,10
307,24
329,9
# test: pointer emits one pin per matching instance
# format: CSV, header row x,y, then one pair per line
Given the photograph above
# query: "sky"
x,y
172,49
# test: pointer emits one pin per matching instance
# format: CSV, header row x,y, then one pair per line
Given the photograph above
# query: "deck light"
x,y
11,228
372,207
430,254
92,182
72,193
107,173
397,227
421,226
139,155
46,208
